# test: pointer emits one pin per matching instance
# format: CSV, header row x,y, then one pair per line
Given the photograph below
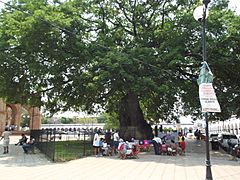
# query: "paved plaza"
x,y
20,166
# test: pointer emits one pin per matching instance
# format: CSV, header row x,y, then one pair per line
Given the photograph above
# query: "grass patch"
x,y
69,150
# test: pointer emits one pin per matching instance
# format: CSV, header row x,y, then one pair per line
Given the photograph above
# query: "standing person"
x,y
109,140
96,143
6,140
168,138
183,145
157,144
80,134
108,137
197,133
175,136
180,139
115,141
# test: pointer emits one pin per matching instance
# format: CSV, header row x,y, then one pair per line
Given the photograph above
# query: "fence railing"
x,y
63,146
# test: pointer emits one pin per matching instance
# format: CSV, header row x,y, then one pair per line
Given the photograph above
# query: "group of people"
x,y
22,142
26,145
128,148
171,144
107,145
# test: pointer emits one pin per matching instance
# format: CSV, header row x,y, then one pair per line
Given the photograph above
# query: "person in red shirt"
x,y
183,145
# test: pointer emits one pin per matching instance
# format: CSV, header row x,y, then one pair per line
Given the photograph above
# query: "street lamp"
x,y
200,14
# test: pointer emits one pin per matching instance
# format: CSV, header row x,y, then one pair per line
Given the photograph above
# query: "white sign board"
x,y
208,98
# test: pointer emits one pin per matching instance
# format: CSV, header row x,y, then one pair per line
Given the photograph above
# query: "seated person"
x,y
122,149
235,151
22,140
128,148
27,145
164,148
106,149
172,149
135,150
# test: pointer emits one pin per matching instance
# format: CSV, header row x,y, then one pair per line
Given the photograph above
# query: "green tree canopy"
x,y
133,57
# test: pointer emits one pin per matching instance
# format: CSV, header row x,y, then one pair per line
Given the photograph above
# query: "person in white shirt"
x,y
96,143
156,144
6,140
115,141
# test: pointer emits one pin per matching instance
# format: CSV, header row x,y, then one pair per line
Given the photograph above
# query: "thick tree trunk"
x,y
132,123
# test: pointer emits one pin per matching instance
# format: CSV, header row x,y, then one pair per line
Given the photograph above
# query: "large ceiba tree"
x,y
139,58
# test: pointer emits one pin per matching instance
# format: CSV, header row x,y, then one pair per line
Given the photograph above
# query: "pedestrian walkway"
x,y
16,157
17,165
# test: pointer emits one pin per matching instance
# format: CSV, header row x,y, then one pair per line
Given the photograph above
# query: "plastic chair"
x,y
164,149
146,145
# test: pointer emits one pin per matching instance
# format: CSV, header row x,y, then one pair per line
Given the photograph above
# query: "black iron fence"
x,y
63,146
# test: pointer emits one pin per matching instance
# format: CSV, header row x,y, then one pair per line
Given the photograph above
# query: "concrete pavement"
x,y
17,165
